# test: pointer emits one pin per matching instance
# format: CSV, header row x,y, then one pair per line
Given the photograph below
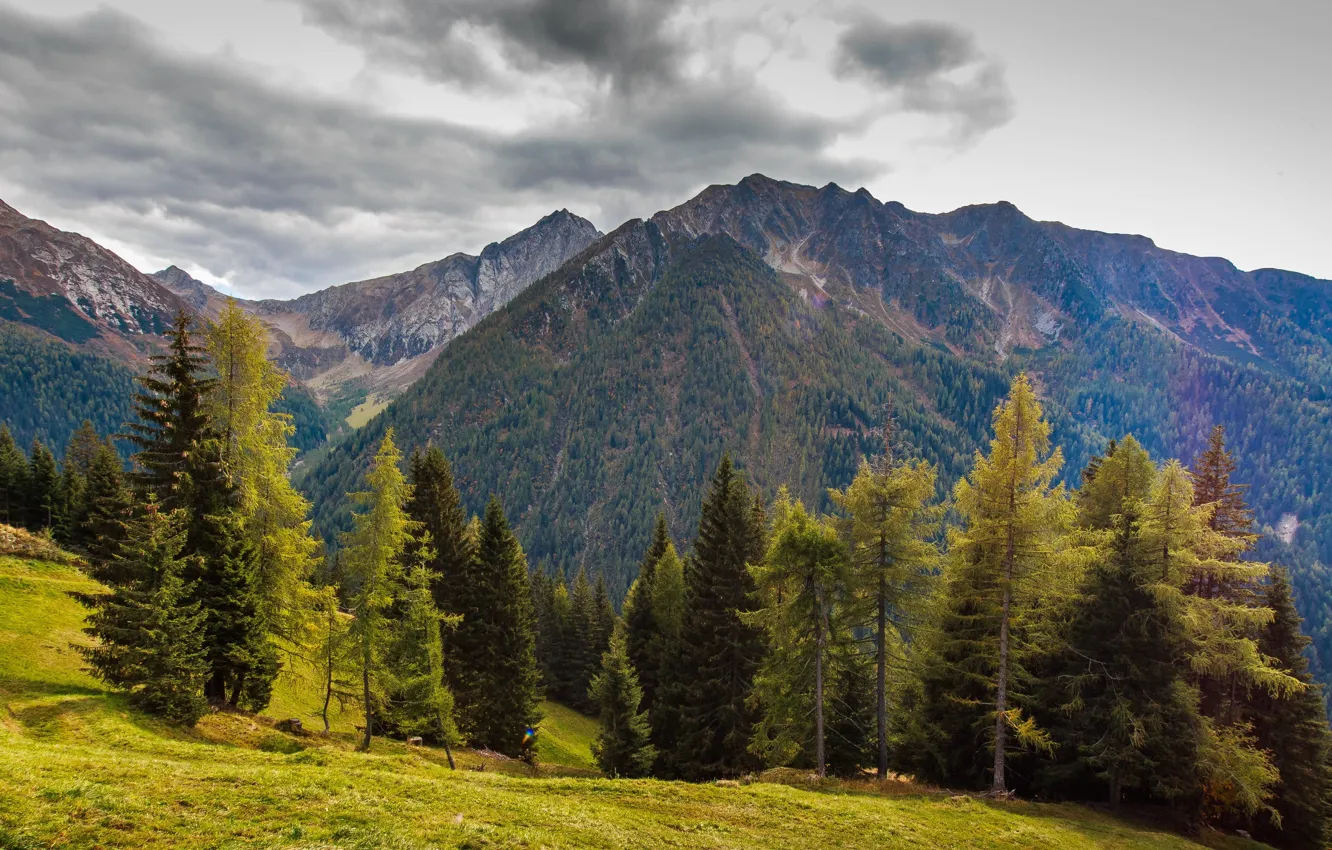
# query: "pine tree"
x,y
1013,522
108,504
639,620
13,479
494,673
150,639
1294,729
173,419
719,652
802,582
372,555
43,490
886,526
622,747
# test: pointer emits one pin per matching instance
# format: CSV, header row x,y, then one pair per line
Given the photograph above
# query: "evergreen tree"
x,y
663,652
436,505
81,449
886,526
417,701
1125,474
639,620
719,652
1294,729
107,506
173,419
542,586
622,747
1125,719
372,556
1212,485
802,583
150,639
852,710
13,479
494,673
584,658
606,618
43,490
1013,521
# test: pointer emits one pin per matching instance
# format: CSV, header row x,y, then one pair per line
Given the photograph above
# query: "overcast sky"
x,y
280,146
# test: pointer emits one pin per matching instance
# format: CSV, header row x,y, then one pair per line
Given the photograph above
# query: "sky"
x,y
275,147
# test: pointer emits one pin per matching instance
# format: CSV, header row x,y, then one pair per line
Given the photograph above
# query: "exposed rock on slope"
x,y
73,288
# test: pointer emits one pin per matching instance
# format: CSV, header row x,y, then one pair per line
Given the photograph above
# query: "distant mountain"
x,y
68,286
203,298
775,321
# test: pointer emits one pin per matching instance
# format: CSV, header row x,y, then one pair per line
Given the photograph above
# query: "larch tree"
x,y
372,555
886,522
803,583
1013,522
256,454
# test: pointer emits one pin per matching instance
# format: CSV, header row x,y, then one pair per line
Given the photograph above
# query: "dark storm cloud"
x,y
200,161
625,41
923,62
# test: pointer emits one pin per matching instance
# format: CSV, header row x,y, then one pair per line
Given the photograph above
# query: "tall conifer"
x,y
494,647
622,747
639,619
13,479
719,651
43,489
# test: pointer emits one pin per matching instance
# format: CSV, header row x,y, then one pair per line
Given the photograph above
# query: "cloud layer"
x,y
205,162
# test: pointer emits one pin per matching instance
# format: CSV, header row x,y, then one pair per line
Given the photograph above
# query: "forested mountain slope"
x,y
612,386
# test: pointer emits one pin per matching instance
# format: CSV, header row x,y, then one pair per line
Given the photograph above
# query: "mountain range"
x,y
592,379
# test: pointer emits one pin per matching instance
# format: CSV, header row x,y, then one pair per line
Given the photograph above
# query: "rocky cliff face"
x,y
382,333
75,289
203,298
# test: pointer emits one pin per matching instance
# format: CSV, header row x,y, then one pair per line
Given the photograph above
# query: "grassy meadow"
x,y
80,769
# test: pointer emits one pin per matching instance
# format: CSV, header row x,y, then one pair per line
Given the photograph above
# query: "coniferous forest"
x,y
1117,641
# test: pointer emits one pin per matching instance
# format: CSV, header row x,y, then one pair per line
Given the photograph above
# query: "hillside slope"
x,y
79,769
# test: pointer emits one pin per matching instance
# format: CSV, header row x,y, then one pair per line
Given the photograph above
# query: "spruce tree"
x,y
13,479
107,507
719,652
852,741
437,506
1013,521
663,652
43,489
1126,473
494,673
1125,721
150,638
639,620
622,747
584,659
82,449
372,555
172,415
887,525
1294,729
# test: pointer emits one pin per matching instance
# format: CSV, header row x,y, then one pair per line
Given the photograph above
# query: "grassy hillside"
x,y
79,769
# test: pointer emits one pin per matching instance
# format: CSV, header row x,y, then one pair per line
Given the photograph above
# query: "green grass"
x,y
366,410
80,769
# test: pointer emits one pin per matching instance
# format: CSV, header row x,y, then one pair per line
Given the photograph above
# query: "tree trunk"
x,y
820,754
882,684
1001,695
365,683
1115,789
236,691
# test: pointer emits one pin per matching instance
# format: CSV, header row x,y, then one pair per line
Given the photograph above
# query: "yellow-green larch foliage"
x,y
887,524
258,456
803,583
1014,524
373,562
